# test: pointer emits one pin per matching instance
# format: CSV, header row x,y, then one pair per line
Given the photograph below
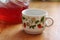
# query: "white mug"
x,y
34,20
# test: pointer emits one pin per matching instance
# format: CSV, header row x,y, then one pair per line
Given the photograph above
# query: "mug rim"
x,y
24,12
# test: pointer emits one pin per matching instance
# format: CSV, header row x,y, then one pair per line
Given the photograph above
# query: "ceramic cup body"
x,y
34,20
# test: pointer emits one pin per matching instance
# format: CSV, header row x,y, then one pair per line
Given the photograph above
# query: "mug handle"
x,y
49,24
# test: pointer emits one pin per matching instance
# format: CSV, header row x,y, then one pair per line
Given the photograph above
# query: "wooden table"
x,y
14,32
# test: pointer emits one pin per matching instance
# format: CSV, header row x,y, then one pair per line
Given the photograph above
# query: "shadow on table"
x,y
24,36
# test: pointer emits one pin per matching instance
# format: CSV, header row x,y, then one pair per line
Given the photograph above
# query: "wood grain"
x,y
15,32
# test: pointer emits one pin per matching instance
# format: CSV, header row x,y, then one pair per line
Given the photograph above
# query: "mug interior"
x,y
34,12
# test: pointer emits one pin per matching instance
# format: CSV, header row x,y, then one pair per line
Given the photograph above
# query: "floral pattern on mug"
x,y
39,26
32,22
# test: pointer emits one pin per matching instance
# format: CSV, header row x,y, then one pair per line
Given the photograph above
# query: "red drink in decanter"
x,y
12,12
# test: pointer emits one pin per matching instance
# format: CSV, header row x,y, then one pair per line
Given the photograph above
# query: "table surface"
x,y
15,32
